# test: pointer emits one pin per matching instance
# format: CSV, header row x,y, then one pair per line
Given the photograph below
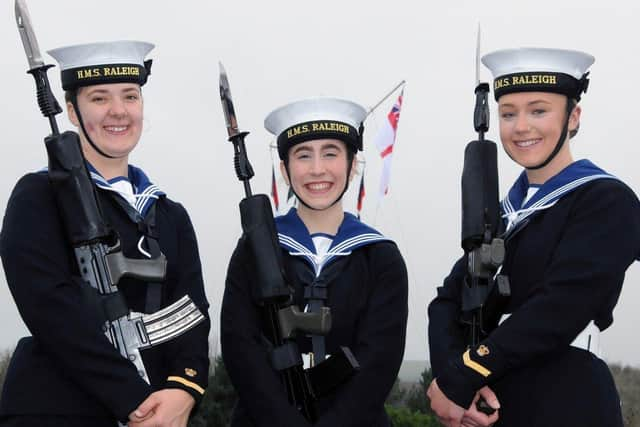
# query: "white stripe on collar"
x,y
515,217
141,200
344,248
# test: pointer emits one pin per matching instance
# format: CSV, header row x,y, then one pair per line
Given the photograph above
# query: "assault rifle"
x,y
97,247
484,291
273,293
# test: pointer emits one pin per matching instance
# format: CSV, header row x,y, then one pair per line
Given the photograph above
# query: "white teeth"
x,y
319,186
526,143
115,128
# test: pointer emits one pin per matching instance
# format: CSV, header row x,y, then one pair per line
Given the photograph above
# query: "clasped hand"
x,y
165,408
451,415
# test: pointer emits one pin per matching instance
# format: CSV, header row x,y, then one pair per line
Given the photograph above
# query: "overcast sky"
x,y
279,51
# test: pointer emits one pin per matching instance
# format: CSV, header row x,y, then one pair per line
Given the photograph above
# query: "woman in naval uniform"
x,y
572,230
349,267
67,373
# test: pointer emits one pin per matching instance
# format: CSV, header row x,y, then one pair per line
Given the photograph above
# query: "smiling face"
x,y
318,172
530,126
112,116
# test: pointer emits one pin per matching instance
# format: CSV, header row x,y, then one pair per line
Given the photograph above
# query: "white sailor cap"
x,y
317,118
105,62
539,70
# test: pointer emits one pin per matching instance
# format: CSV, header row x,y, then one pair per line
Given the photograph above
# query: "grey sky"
x,y
279,51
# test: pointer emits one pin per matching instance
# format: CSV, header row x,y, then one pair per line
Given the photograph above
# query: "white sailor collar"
x,y
294,237
144,191
569,179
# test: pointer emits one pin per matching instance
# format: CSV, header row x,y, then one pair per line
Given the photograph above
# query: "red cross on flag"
x,y
385,139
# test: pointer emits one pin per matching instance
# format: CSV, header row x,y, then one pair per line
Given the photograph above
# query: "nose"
x,y
522,124
117,107
317,168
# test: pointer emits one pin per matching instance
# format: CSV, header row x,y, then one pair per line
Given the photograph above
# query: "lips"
x,y
527,143
116,130
318,187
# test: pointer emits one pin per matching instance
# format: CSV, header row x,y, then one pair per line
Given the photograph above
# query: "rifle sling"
x,y
147,227
114,306
316,294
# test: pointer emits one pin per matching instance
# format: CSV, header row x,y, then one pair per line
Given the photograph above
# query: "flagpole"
x,y
385,97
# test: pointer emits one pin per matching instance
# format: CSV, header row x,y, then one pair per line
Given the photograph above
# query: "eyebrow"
x,y
330,145
301,148
537,101
91,91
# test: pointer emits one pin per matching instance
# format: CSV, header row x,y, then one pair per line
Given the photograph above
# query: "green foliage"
x,y
417,396
219,398
5,358
628,384
397,394
404,417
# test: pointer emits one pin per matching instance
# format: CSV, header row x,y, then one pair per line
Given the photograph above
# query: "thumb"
x,y
146,406
490,397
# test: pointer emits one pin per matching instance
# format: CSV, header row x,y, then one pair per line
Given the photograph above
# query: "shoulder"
x,y
608,192
33,182
31,214
384,257
32,189
175,211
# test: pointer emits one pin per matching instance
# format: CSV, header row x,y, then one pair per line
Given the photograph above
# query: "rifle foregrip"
x,y
74,190
480,198
260,233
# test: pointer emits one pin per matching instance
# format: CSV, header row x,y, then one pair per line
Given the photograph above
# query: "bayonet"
x,y
37,68
29,41
244,171
478,56
227,104
481,111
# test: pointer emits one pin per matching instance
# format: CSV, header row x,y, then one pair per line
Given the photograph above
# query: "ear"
x,y
283,171
574,118
71,113
354,167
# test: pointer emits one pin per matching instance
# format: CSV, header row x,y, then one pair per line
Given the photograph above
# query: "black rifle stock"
x,y
483,292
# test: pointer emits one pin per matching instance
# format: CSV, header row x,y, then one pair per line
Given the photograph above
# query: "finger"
x,y
490,397
494,417
146,408
469,422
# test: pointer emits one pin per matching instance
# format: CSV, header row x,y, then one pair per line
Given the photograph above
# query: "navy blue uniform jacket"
x,y
368,301
68,367
566,269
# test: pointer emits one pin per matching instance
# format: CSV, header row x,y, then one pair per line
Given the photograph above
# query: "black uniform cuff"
x,y
468,373
194,389
456,386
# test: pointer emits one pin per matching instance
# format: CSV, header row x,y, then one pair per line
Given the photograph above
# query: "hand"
x,y
165,408
474,418
449,414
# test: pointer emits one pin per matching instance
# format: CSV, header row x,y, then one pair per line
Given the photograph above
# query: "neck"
x,y
108,168
555,166
325,221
